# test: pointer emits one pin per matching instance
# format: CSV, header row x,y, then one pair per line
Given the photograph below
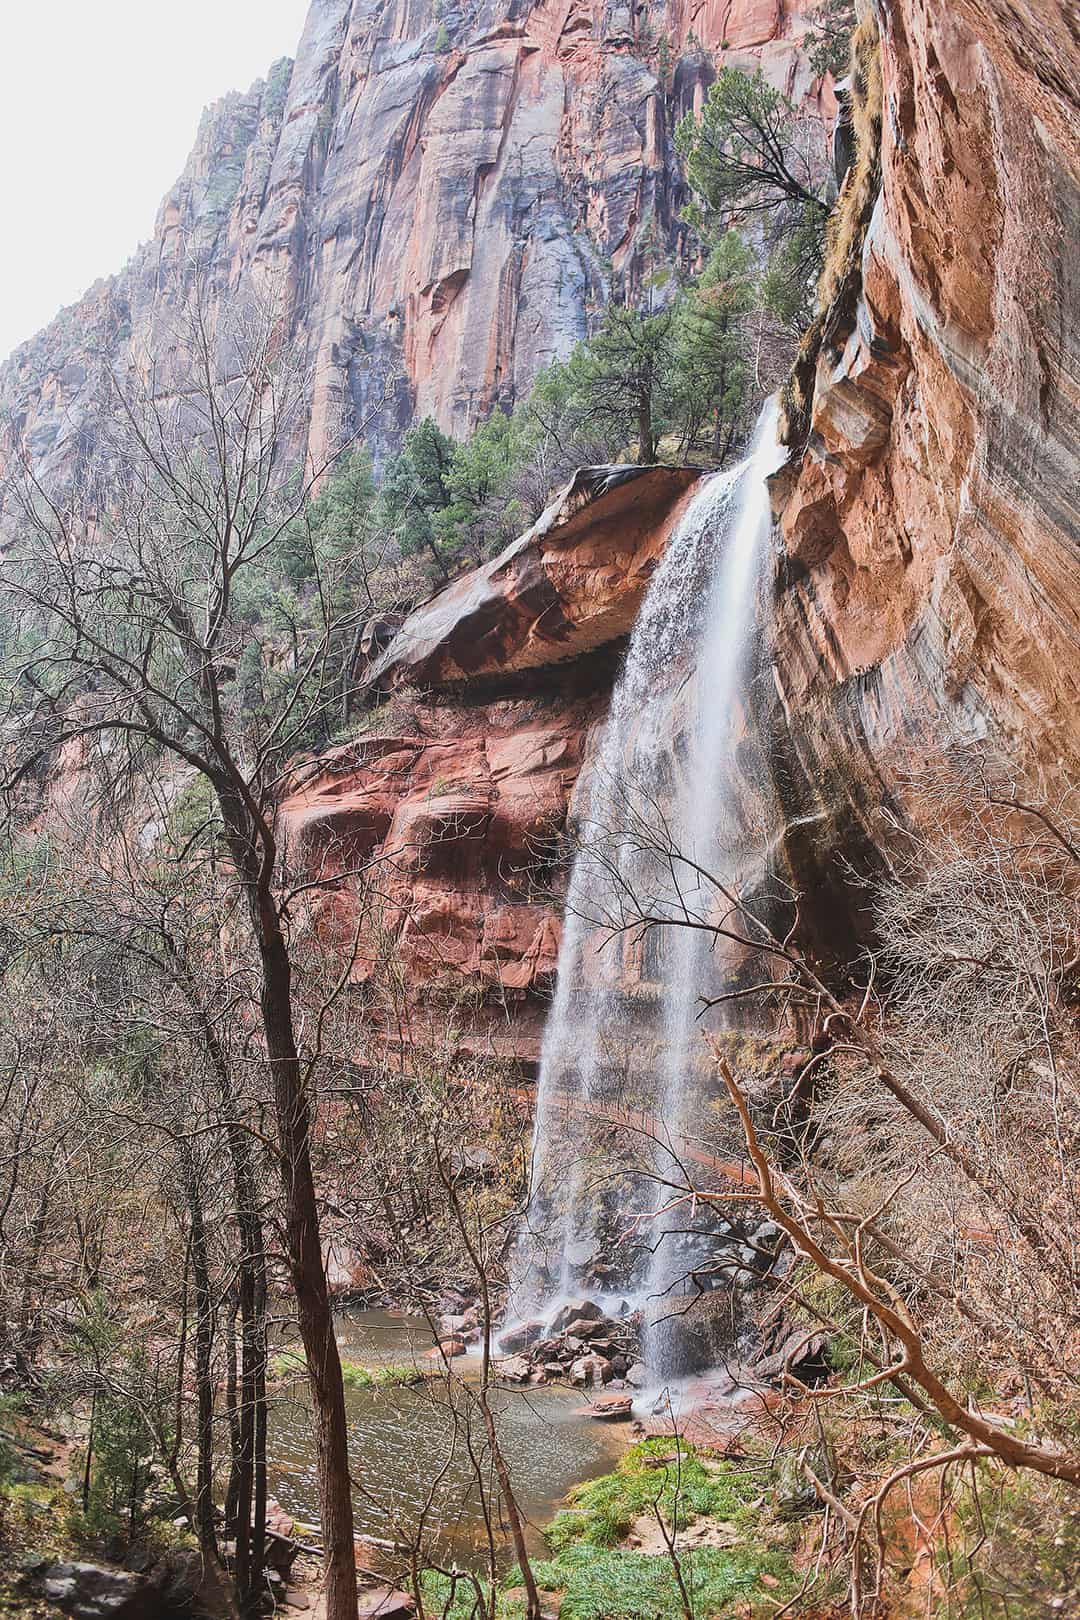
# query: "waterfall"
x,y
654,813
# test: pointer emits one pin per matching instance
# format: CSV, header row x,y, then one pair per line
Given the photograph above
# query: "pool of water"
x,y
419,1454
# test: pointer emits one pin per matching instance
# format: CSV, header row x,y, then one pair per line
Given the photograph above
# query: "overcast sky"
x,y
99,104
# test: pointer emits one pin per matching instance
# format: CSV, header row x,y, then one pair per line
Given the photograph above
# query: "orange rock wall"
x,y
929,599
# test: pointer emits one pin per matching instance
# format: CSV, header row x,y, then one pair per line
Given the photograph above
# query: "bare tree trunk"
x,y
646,447
247,1494
203,1505
26,1342
303,1246
232,1490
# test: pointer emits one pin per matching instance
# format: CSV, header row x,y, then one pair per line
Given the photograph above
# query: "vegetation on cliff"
x,y
219,1085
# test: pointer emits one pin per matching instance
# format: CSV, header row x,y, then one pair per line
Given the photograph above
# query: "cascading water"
x,y
657,816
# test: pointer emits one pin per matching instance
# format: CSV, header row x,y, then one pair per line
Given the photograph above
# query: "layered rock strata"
x,y
926,599
445,815
443,194
929,593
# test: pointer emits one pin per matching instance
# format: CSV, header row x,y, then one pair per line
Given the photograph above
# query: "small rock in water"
x,y
448,1348
453,1327
611,1408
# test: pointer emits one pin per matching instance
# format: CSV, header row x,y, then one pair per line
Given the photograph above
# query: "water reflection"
x,y
419,1453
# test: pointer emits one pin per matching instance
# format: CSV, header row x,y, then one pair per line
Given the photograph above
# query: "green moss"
x,y
602,1511
354,1374
621,1585
389,1377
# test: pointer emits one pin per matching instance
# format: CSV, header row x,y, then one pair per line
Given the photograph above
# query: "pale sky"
x,y
99,104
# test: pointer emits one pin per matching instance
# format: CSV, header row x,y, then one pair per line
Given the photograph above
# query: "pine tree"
x,y
709,379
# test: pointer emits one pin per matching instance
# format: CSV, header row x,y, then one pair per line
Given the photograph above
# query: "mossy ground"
x,y
355,1375
601,1578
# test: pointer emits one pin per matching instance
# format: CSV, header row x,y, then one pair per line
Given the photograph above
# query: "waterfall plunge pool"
x,y
409,1445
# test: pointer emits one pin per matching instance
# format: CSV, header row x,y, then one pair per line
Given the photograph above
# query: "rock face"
x,y
442,191
451,195
927,594
457,816
448,830
930,594
573,583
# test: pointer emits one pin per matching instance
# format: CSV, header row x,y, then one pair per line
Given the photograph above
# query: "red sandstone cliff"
x,y
443,189
444,815
927,597
931,596
928,593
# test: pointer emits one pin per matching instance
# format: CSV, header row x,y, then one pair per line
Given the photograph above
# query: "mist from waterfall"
x,y
653,818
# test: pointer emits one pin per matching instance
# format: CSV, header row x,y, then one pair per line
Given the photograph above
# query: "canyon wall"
x,y
925,600
929,589
454,194
444,194
443,817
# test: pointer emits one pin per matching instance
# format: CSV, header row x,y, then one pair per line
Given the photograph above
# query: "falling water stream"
x,y
657,816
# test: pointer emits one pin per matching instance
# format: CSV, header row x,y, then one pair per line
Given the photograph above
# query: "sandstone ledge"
x,y
571,584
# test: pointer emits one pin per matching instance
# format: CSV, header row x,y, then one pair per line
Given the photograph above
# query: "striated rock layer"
x,y
449,202
444,816
445,192
927,589
929,598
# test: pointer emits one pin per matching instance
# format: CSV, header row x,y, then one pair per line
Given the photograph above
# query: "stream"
x,y
409,1445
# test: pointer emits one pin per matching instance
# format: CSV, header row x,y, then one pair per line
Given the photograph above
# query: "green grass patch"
x,y
601,1580
615,1584
391,1376
601,1511
354,1374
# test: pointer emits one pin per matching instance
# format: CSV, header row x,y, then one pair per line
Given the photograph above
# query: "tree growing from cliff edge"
x,y
620,377
751,161
124,647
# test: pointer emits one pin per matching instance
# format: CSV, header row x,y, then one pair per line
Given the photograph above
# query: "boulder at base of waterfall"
x,y
591,1327
513,1370
589,1371
637,1376
610,1408
578,1310
522,1336
455,1327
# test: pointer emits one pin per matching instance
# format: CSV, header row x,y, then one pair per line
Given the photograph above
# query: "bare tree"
x,y
922,1159
123,646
